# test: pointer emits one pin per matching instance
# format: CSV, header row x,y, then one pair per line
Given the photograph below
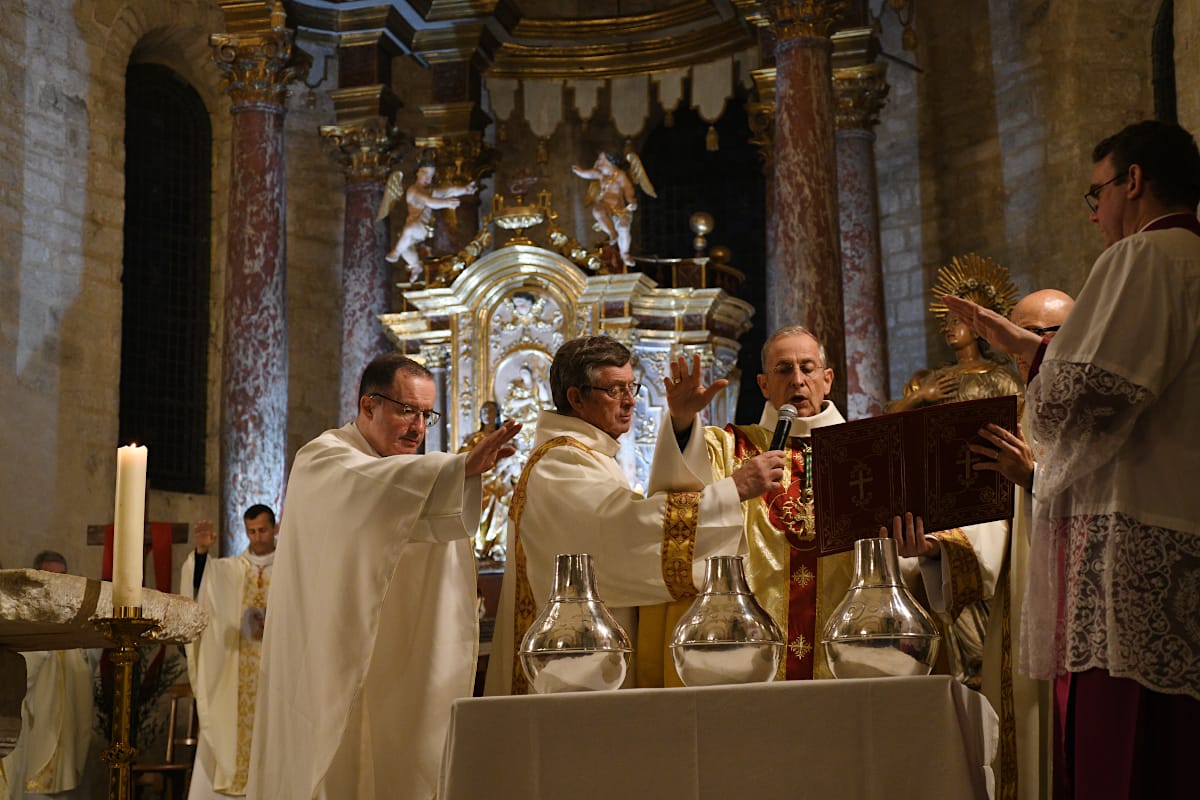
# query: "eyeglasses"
x,y
618,390
1092,198
1043,331
409,413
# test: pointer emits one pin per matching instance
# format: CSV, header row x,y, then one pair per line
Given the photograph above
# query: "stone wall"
x,y
62,197
315,205
987,149
1187,63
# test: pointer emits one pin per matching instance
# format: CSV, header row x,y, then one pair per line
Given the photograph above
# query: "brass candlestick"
x,y
128,629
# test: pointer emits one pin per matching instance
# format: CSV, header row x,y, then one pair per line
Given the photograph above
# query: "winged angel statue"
x,y
612,198
421,199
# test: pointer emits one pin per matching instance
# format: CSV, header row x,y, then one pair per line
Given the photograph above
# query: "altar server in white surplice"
x,y
51,756
372,633
573,497
223,662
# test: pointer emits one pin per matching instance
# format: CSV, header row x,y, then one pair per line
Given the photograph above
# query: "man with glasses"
x,y
1115,555
783,570
372,632
573,497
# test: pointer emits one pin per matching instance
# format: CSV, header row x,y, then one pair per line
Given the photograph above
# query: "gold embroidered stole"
x,y
524,607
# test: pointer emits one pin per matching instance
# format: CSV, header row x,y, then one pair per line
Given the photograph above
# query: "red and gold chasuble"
x,y
798,589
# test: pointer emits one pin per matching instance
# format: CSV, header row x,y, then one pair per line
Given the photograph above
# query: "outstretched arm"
x,y
999,331
454,191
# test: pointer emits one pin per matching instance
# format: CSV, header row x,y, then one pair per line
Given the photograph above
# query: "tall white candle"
x,y
130,520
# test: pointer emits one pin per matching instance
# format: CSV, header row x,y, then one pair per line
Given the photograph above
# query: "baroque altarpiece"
x,y
491,334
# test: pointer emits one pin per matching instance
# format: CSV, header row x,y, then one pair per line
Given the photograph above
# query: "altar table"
x,y
887,738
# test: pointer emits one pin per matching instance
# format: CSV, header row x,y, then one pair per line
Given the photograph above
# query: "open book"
x,y
867,471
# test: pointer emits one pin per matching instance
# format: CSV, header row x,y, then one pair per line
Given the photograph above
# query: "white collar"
x,y
259,561
802,426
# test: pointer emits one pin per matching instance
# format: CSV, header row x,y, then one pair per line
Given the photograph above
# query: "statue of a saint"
x,y
973,375
422,199
612,198
488,542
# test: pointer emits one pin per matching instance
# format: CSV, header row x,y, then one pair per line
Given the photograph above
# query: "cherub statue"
x,y
612,198
422,199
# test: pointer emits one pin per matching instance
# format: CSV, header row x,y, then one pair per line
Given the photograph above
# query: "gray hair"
x,y
577,362
792,330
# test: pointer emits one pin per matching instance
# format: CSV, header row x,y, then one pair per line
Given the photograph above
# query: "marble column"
x,y
804,276
364,150
258,65
860,92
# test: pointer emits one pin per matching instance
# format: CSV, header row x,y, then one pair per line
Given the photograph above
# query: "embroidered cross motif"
x,y
802,577
800,647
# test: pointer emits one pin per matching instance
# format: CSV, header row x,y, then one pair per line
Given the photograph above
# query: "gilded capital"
x,y
460,158
761,116
258,64
859,93
364,149
795,19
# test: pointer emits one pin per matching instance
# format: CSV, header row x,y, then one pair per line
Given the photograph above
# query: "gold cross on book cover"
x,y
870,470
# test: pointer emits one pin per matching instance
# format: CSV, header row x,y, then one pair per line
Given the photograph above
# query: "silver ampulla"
x,y
879,629
725,636
575,643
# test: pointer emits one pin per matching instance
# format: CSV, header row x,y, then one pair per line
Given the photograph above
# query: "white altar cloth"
x,y
893,738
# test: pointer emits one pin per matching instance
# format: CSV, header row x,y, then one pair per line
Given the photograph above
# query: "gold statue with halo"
x,y
973,375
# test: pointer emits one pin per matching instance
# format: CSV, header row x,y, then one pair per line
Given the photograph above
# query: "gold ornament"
x,y
975,278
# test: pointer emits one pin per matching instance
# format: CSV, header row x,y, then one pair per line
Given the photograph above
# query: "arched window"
x,y
165,276
1162,55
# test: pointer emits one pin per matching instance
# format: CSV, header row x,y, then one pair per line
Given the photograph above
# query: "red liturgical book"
x,y
867,471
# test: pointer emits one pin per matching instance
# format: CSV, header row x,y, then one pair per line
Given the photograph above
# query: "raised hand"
x,y
1012,457
491,448
204,535
759,475
687,396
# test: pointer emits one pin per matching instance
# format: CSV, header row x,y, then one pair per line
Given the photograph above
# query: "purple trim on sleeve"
x,y
1036,364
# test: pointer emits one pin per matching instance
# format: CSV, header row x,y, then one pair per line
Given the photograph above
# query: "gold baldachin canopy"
x,y
975,278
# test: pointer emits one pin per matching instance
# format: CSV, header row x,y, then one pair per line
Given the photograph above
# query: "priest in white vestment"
x,y
1112,599
372,632
50,759
573,497
223,662
1000,556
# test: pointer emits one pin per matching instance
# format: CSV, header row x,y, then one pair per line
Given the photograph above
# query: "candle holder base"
x,y
127,628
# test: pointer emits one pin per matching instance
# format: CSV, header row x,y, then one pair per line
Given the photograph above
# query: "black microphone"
x,y
783,428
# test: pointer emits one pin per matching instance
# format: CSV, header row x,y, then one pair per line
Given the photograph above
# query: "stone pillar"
x,y
804,276
256,56
364,150
860,91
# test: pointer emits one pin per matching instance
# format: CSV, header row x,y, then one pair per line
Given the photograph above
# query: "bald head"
x,y
1037,311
